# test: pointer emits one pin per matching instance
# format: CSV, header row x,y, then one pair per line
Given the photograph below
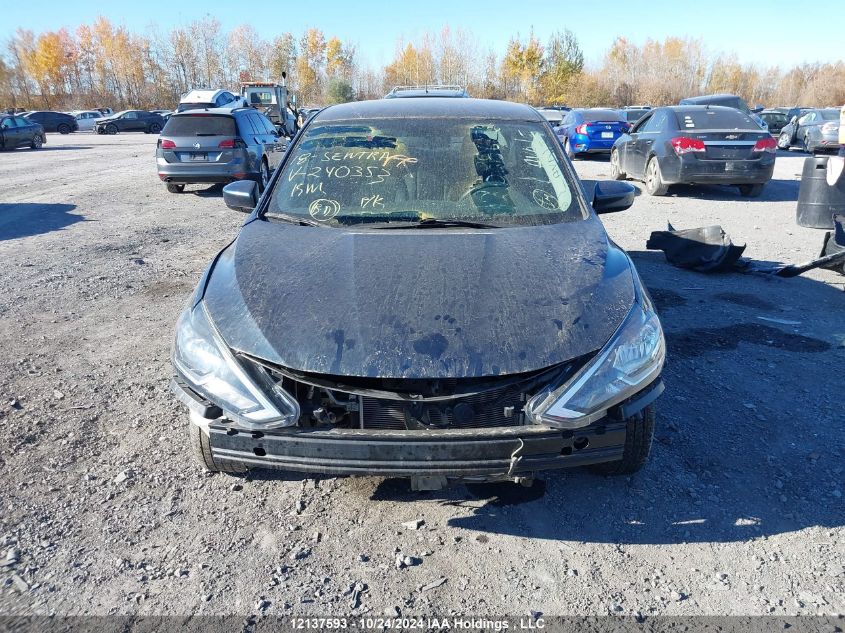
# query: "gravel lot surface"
x,y
739,510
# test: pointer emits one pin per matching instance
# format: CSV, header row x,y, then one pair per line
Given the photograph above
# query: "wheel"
x,y
173,188
784,141
155,128
654,184
750,191
37,142
111,128
263,176
615,172
63,129
806,145
639,432
201,450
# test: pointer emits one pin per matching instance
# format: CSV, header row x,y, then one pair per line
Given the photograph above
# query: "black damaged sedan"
x,y
424,290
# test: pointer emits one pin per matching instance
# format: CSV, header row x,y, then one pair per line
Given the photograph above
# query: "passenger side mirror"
x,y
610,196
241,195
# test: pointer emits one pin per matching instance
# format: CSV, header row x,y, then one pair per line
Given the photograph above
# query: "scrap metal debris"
x,y
709,249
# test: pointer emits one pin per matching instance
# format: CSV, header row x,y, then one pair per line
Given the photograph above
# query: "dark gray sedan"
x,y
424,290
16,131
814,131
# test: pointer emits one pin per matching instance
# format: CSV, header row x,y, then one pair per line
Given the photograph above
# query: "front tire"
x,y
201,450
654,184
639,433
174,188
155,128
37,142
750,191
111,129
615,171
784,141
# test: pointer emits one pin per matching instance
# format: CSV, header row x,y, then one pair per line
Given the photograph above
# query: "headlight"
x,y
206,362
632,359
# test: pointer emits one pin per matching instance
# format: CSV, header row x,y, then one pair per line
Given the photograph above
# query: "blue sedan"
x,y
590,131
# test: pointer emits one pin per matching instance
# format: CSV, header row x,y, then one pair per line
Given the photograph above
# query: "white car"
x,y
86,118
200,99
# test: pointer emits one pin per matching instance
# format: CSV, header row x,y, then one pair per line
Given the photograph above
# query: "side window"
x,y
269,128
256,123
246,125
21,122
659,121
5,124
650,124
807,118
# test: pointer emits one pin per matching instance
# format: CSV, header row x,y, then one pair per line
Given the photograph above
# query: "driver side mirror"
x,y
610,196
241,196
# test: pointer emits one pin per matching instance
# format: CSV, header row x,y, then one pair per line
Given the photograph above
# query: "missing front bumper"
x,y
450,453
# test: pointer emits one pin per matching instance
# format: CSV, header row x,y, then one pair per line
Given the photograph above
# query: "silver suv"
x,y
218,145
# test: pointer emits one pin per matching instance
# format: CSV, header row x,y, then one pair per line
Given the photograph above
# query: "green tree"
x,y
339,90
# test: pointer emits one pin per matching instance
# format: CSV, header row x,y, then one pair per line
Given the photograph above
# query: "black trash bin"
x,y
818,201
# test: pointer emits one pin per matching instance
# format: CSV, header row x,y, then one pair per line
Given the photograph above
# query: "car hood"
x,y
429,303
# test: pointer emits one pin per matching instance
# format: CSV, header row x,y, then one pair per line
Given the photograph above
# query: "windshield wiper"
x,y
434,223
292,219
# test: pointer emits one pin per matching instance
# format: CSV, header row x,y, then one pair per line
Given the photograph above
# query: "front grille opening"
x,y
260,452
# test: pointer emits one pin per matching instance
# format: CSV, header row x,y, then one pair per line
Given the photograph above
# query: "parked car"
x,y
695,145
217,145
53,121
635,113
726,100
517,338
552,115
201,99
17,131
427,91
105,111
775,120
130,121
815,131
85,119
590,131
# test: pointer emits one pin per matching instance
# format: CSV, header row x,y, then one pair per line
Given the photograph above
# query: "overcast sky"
x,y
753,30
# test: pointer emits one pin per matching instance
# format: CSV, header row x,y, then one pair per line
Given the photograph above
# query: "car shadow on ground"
x,y
56,148
26,218
214,191
774,191
746,445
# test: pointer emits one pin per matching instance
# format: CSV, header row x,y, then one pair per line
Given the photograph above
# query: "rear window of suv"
x,y
200,125
713,119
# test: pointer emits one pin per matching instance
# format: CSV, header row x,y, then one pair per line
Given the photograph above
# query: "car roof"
x,y
218,111
203,95
433,107
708,98
699,108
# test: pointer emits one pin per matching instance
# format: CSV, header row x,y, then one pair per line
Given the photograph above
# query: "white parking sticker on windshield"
x,y
323,209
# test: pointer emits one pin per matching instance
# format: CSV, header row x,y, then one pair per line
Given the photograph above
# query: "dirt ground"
x,y
739,510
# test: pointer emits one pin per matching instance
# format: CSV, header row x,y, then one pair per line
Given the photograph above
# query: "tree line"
x,y
106,64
